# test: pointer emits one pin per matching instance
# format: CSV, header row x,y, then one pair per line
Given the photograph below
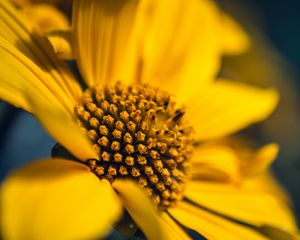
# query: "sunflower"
x,y
137,134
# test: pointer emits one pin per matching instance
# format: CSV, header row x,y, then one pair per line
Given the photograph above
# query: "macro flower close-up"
x,y
144,122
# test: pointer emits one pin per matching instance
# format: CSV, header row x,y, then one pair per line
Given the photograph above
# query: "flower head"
x,y
138,128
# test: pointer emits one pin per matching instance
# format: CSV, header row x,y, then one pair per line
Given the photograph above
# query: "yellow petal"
x,y
154,225
23,3
180,45
37,89
20,3
215,163
17,30
62,128
28,79
211,226
46,17
175,231
232,159
275,234
143,214
171,44
102,31
12,96
250,206
260,160
266,183
226,107
57,199
235,39
61,43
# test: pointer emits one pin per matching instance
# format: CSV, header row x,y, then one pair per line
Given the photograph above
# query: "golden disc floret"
x,y
140,133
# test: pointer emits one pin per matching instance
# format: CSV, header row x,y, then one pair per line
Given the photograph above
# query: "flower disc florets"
x,y
139,133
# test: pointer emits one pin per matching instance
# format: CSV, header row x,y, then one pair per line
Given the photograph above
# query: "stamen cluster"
x,y
138,133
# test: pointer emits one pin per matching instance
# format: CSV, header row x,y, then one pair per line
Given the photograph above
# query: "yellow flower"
x,y
140,140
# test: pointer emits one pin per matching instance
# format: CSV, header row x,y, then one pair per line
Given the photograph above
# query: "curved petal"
x,y
231,159
63,129
101,32
155,225
29,44
46,17
226,107
251,206
212,226
28,79
260,160
235,39
61,43
180,49
57,199
214,163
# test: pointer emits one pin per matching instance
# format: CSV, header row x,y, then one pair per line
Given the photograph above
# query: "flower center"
x,y
138,133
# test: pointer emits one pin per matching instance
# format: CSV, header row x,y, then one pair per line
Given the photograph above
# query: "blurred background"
x,y
273,60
